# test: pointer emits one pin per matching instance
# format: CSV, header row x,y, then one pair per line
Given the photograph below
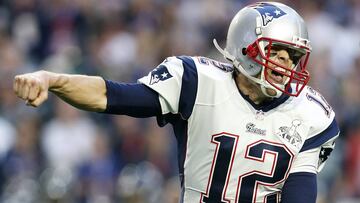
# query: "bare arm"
x,y
84,92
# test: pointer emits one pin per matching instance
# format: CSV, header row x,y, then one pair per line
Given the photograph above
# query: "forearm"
x,y
89,93
84,92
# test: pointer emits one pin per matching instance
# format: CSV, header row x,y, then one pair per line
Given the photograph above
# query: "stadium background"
x,y
59,154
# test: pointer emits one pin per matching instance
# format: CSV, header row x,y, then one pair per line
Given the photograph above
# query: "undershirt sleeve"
x,y
132,99
299,188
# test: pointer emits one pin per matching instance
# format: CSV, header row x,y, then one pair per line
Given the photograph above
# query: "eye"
x,y
283,59
273,53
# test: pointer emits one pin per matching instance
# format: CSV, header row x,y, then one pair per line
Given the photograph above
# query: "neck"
x,y
249,88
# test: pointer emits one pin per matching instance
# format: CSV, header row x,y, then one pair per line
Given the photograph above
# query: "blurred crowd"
x,y
56,153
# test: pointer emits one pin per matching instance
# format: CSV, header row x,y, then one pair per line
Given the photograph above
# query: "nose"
x,y
280,59
275,59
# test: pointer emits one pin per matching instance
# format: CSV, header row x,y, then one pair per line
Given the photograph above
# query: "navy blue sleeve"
x,y
299,188
132,99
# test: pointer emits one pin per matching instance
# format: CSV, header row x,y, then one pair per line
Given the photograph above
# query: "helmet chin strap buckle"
x,y
264,91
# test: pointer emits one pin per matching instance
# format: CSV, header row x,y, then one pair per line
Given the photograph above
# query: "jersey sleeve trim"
x,y
189,87
330,132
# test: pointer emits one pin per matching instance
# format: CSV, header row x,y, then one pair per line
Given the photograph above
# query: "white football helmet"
x,y
259,28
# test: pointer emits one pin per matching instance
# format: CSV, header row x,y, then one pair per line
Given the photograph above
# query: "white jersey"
x,y
230,149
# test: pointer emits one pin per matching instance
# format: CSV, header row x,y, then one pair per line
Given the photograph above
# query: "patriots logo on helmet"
x,y
268,12
160,73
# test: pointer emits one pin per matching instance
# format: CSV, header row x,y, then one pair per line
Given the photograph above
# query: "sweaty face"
x,y
282,63
276,74
282,57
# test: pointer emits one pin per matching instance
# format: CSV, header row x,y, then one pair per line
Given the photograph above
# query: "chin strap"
x,y
262,82
268,86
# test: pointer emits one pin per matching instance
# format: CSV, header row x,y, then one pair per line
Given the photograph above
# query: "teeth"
x,y
281,70
274,73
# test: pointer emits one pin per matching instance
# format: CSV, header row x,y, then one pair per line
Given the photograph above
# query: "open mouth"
x,y
276,77
276,73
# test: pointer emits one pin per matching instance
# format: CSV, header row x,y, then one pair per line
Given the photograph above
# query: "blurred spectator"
x,y
23,164
7,137
171,190
97,176
117,52
26,32
140,183
129,139
68,139
352,162
161,149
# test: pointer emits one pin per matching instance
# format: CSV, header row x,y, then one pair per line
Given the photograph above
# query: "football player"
x,y
248,131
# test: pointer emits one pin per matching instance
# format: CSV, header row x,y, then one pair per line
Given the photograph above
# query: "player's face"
x,y
282,57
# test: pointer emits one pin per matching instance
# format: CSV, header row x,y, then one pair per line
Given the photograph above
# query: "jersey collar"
x,y
267,105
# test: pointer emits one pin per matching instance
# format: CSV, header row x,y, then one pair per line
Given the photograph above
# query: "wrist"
x,y
54,81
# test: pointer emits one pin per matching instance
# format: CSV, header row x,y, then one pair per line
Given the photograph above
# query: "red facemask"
x,y
297,74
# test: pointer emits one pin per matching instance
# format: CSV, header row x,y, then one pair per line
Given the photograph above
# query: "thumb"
x,y
43,96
